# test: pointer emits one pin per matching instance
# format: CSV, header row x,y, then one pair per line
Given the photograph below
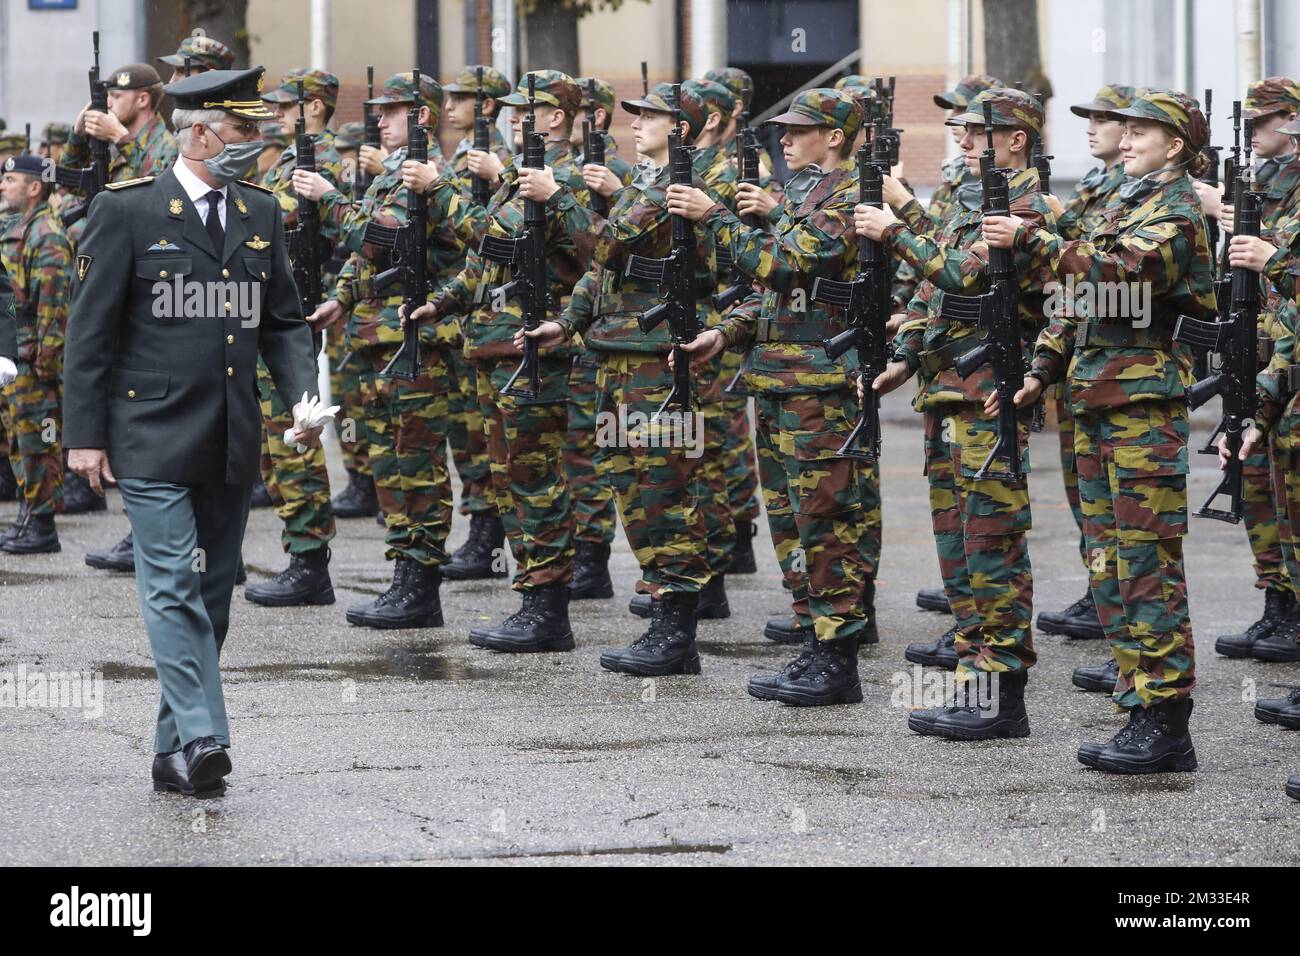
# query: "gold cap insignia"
x,y
257,242
123,79
83,266
239,204
175,208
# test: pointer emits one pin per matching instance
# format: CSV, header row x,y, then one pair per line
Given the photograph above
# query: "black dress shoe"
x,y
933,599
830,677
742,552
78,497
1268,709
1156,740
478,557
358,499
1279,604
170,774
36,535
541,625
260,497
305,582
120,557
976,722
591,580
1079,620
1293,786
1097,677
206,762
713,602
941,653
667,646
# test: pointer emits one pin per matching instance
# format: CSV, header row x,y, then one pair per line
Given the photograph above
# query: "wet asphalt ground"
x,y
359,746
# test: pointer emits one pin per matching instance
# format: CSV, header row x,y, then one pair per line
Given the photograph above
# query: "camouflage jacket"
x,y
38,259
460,158
1281,195
616,164
953,174
1096,194
1159,244
1281,279
339,203
279,179
488,331
606,304
955,259
374,319
781,323
153,150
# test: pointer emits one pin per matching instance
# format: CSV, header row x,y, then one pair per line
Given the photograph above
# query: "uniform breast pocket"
x,y
164,280
257,267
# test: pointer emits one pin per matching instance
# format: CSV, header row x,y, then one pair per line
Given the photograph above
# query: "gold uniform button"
x,y
230,372
162,273
225,273
230,340
130,393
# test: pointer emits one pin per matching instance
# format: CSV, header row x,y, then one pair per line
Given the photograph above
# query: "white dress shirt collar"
x,y
194,187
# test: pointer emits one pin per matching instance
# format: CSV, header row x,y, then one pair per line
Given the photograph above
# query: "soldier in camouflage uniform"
x,y
298,482
980,523
805,403
651,462
1272,103
1096,194
1127,386
37,258
478,557
525,434
406,420
10,145
198,53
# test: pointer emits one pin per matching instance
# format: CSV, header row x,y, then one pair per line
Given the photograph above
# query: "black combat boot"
x,y
14,528
1098,677
8,483
1078,620
667,646
830,677
120,557
77,496
713,601
1268,710
417,604
933,599
36,535
1156,740
742,552
1278,604
785,629
475,558
975,720
590,572
540,625
306,581
358,499
260,497
1282,645
1293,786
356,614
870,634
941,653
763,686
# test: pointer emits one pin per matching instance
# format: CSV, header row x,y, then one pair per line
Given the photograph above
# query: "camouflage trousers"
x,y
980,527
406,435
1261,520
654,469
298,482
466,436
815,507
718,522
1065,434
1132,464
31,411
589,488
1284,451
525,440
345,392
738,454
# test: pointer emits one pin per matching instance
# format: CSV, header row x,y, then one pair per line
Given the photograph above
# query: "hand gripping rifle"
x,y
91,180
1235,339
409,245
996,311
372,126
480,188
676,274
593,149
305,238
866,301
526,255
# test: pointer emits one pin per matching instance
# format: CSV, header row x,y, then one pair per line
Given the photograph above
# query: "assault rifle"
x,y
480,188
305,238
593,149
91,180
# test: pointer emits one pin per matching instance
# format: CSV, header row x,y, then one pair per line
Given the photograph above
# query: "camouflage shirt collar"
x,y
1266,170
644,174
1177,191
558,151
1021,183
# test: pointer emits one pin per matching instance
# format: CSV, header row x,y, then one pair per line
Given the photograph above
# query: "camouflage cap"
x,y
204,52
495,83
550,88
1178,111
55,134
316,85
715,97
350,136
400,88
1290,129
823,107
732,77
1011,108
1277,94
959,96
133,76
659,98
1111,97
11,142
604,94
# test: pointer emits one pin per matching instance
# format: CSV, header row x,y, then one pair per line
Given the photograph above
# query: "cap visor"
x,y
791,118
636,106
1266,111
172,60
961,119
279,96
947,101
381,100
1085,110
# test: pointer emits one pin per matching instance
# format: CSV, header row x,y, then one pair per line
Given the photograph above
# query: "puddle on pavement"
x,y
401,663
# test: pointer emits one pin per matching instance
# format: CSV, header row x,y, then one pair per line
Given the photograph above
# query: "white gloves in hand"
x,y
309,414
8,371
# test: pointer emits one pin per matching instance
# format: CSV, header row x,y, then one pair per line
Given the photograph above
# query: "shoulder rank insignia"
x,y
257,242
130,182
83,266
175,206
239,204
258,186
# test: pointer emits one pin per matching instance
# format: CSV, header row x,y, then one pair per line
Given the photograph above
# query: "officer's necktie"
x,y
213,224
